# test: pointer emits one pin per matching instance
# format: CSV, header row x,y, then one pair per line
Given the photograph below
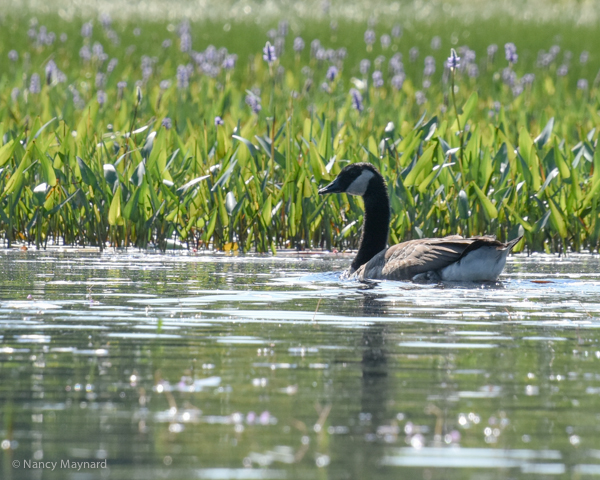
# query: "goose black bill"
x,y
333,187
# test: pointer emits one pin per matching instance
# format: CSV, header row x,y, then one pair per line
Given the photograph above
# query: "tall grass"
x,y
86,160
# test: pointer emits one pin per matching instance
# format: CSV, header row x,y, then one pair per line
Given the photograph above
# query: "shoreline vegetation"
x,y
218,136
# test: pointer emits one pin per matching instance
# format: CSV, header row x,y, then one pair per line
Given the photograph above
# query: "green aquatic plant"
x,y
181,148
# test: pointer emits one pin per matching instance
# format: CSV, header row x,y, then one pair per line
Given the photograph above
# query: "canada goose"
x,y
453,258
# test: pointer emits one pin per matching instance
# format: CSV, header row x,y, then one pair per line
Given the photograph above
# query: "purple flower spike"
x,y
369,37
562,70
331,73
50,71
510,51
269,53
356,100
112,65
34,84
315,46
101,97
229,62
509,77
398,80
100,80
473,71
86,29
183,79
528,79
218,121
385,40
429,69
254,103
365,66
283,28
85,53
298,44
185,42
453,60
377,79
167,123
413,54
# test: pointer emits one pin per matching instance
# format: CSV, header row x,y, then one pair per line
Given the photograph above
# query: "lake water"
x,y
216,367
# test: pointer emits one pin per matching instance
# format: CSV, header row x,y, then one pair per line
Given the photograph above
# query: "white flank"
x,y
482,265
359,186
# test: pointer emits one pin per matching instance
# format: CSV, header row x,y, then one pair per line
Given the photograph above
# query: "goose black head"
x,y
354,179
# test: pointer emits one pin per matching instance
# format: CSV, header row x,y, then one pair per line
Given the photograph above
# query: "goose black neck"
x,y
376,222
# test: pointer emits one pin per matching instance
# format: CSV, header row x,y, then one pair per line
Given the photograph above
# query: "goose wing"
x,y
405,260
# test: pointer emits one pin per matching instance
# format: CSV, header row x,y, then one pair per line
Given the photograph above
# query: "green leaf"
x,y
560,162
420,121
6,151
225,176
463,205
153,149
488,206
138,174
346,230
131,211
541,223
526,225
248,143
147,148
184,188
325,145
266,212
87,176
552,175
16,180
468,108
316,162
211,226
114,212
276,208
557,219
428,130
110,175
47,168
37,134
39,194
543,137
64,202
230,202
423,164
531,165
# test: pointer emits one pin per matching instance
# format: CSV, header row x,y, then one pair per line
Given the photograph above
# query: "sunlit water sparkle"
x,y
213,366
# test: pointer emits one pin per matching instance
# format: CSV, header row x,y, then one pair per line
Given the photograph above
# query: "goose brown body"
x,y
451,258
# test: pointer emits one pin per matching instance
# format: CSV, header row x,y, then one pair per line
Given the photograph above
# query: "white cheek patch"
x,y
359,186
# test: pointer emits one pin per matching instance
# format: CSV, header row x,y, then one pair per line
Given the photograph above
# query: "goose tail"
x,y
510,245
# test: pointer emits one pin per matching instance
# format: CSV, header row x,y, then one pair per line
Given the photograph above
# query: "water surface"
x,y
214,367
